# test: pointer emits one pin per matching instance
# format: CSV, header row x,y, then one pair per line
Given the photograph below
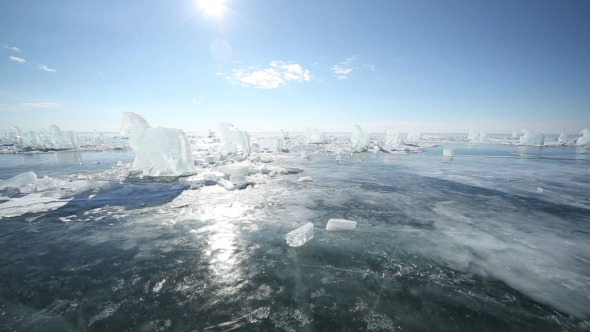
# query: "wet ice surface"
x,y
466,244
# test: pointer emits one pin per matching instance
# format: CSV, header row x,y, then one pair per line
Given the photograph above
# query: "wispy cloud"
x,y
40,105
44,67
12,48
17,59
197,100
345,67
278,74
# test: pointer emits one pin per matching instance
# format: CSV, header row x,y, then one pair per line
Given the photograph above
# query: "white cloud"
x,y
44,67
197,100
345,67
12,48
42,105
278,74
341,71
17,59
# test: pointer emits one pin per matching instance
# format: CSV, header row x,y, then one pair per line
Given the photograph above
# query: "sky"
x,y
266,65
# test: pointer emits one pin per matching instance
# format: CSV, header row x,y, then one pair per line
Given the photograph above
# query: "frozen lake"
x,y
495,238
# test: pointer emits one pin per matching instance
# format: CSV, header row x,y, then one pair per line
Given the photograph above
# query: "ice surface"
x,y
300,236
158,151
32,203
231,138
340,225
64,139
314,136
495,242
585,139
530,138
360,141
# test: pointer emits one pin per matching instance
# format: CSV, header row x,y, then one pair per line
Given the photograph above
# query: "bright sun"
x,y
212,7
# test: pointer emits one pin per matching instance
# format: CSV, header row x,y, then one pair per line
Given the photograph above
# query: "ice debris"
x,y
585,139
448,153
231,138
300,236
304,179
414,136
563,137
474,136
158,151
393,138
23,181
314,136
360,141
64,139
340,225
28,138
530,138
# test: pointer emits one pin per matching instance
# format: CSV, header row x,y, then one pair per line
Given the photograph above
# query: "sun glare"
x,y
212,7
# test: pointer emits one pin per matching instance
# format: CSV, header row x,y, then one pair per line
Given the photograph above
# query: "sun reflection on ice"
x,y
223,242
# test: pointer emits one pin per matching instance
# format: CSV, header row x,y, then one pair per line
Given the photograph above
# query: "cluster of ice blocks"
x,y
158,151
303,234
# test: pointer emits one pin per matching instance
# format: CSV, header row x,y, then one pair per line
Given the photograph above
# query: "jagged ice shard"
x,y
158,151
585,139
64,139
393,138
19,181
360,140
530,138
340,225
300,236
231,138
414,135
314,136
28,138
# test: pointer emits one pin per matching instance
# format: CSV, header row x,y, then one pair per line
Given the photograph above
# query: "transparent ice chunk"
x,y
585,139
19,181
231,138
530,138
158,151
360,140
340,225
300,236
314,136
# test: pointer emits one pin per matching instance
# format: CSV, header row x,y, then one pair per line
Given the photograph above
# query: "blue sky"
x,y
265,65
